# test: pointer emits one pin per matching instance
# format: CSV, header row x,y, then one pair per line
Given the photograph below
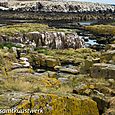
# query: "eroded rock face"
x,y
53,40
61,6
56,40
15,39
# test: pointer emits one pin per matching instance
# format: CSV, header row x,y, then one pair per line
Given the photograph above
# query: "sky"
x,y
99,1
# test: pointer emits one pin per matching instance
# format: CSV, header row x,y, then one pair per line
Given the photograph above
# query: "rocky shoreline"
x,y
49,11
53,69
60,6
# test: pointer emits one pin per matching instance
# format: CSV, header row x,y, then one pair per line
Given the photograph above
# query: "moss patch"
x,y
102,29
11,30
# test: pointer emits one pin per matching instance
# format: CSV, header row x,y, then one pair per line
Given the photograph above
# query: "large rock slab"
x,y
53,104
103,70
110,47
10,99
108,57
41,60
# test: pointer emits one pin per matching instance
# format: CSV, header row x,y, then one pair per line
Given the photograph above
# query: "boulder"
x,y
102,104
51,74
52,104
67,69
41,60
84,89
99,70
108,57
111,110
110,47
50,82
8,100
51,63
86,65
97,94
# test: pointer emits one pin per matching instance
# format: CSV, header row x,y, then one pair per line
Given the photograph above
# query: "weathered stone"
x,y
39,60
111,110
24,62
86,65
56,40
16,65
103,70
105,90
111,81
9,100
4,3
69,70
101,103
110,47
51,74
57,67
52,62
53,104
108,57
112,102
40,70
80,89
50,82
64,80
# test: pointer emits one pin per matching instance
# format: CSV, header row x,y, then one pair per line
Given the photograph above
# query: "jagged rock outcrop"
x,y
53,40
56,40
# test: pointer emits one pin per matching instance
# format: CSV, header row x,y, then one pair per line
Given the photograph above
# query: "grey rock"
x,y
103,70
56,40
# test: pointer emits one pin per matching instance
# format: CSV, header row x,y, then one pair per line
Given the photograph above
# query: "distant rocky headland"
x,y
58,6
56,10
